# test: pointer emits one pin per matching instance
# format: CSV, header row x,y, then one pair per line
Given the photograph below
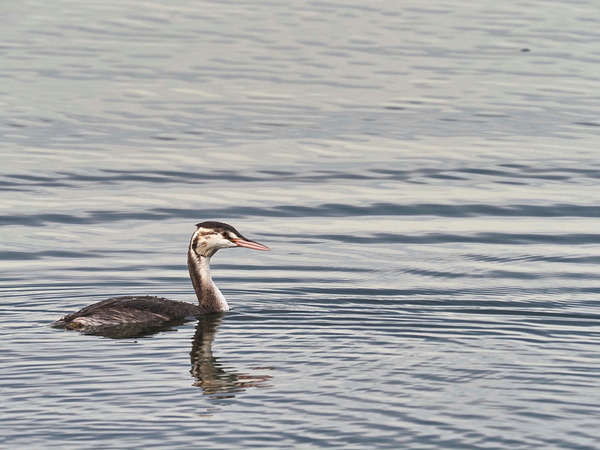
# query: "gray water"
x,y
426,173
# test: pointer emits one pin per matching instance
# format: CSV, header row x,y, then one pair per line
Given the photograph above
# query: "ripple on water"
x,y
433,279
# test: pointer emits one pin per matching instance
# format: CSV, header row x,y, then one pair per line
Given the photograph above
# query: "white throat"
x,y
209,296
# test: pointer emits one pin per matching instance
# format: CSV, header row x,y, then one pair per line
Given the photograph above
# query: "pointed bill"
x,y
250,244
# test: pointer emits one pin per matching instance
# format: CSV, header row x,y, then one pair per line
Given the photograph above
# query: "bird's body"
x,y
206,240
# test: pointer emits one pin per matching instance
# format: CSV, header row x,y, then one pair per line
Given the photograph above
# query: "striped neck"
x,y
209,296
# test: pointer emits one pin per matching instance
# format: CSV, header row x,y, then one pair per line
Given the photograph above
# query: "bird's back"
x,y
128,310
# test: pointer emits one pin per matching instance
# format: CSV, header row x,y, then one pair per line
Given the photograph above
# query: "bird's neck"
x,y
209,296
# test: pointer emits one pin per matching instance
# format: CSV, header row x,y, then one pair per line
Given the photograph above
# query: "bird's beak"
x,y
250,244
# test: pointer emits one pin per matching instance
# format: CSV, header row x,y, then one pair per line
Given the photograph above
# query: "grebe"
x,y
206,240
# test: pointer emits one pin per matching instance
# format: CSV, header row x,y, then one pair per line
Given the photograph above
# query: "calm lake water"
x,y
426,174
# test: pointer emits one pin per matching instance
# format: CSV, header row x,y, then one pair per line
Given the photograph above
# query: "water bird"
x,y
207,239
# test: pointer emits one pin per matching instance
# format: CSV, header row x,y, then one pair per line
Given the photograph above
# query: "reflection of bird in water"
x,y
146,311
210,374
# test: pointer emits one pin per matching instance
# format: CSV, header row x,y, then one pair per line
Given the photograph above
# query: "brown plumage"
x,y
207,239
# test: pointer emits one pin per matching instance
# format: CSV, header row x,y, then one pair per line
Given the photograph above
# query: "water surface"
x,y
427,177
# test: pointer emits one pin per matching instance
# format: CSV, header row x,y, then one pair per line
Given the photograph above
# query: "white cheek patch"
x,y
207,241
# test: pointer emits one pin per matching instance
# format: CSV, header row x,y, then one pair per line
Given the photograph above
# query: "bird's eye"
x,y
229,236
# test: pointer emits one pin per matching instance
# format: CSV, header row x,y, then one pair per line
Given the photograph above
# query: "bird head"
x,y
210,237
